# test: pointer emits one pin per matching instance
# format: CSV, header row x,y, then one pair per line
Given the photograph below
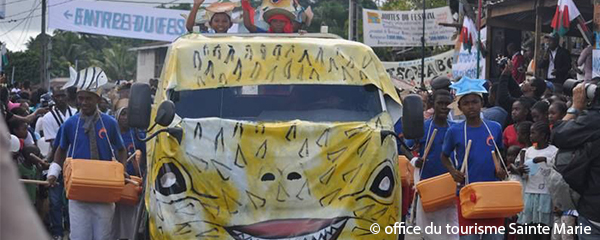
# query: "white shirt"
x,y
551,64
39,126
535,181
51,123
29,140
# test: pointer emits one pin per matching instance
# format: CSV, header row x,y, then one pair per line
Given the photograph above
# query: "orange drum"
x,y
406,171
131,192
437,192
491,199
93,180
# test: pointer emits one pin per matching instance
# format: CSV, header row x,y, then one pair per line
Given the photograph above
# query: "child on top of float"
x,y
219,15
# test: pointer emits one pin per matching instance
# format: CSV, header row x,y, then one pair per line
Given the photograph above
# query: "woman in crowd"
x,y
123,224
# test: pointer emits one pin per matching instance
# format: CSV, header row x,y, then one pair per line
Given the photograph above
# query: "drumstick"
x,y
496,162
429,144
465,160
130,157
39,182
424,157
131,181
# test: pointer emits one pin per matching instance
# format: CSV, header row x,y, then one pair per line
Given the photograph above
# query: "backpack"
x,y
569,178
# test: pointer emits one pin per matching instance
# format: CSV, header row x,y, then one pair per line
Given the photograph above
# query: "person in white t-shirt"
x,y
57,115
52,121
539,160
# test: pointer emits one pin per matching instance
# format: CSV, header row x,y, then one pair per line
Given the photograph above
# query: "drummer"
x,y
433,166
88,135
486,136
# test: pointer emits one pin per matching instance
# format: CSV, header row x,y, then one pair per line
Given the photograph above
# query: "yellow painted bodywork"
x,y
227,175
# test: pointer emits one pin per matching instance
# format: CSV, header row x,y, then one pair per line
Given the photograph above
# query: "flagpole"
x,y
423,51
478,38
12,77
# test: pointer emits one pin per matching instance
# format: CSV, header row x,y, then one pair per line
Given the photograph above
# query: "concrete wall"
x,y
145,65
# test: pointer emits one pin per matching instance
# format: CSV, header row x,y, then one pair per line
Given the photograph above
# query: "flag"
x,y
566,11
468,33
248,9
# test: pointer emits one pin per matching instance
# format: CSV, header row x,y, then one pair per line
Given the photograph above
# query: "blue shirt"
x,y
398,130
496,114
398,127
132,144
56,142
110,130
481,165
260,30
433,166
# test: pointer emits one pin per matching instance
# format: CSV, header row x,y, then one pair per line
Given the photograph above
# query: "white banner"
x,y
405,28
595,63
409,72
2,9
465,64
117,19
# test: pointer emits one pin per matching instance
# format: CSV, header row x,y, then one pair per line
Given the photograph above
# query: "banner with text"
x,y
409,72
595,63
117,19
405,28
2,9
465,64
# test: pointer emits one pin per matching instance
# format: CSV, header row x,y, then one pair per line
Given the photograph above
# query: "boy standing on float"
x,y
486,136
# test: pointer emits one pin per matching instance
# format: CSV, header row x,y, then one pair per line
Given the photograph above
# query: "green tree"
x,y
67,49
333,13
405,5
117,62
26,65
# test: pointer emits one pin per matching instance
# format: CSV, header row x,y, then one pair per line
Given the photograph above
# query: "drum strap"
x,y
466,164
429,131
107,138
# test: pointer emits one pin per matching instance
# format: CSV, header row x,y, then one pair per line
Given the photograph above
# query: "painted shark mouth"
x,y
290,229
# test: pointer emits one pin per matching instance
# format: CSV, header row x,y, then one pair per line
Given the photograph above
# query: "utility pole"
x,y
478,38
12,77
350,19
353,13
44,57
423,51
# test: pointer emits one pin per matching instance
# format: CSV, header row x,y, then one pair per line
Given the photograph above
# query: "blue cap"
x,y
549,85
467,86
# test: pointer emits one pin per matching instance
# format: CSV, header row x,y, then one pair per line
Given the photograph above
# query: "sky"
x,y
27,14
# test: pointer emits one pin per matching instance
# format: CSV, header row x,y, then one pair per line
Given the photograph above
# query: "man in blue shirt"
x,y
485,136
433,166
89,135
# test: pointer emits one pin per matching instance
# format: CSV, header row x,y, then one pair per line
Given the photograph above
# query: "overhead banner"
x,y
2,9
408,73
117,19
405,28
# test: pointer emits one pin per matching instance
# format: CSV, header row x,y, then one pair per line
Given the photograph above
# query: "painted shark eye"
x,y
267,177
383,185
170,180
274,1
294,176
